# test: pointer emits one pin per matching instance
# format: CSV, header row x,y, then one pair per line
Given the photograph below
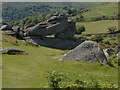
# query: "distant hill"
x,y
18,10
105,9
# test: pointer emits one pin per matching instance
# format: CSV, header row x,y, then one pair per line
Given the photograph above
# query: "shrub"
x,y
113,60
80,29
54,79
112,29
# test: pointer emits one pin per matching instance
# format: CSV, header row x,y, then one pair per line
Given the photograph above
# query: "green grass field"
x,y
109,9
98,26
29,71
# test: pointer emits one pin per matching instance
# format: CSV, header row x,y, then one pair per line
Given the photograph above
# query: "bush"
x,y
113,60
80,29
55,78
112,29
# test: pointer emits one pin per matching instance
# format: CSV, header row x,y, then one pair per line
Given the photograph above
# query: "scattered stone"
x,y
118,55
24,42
108,52
15,42
87,51
3,40
117,49
13,51
6,27
8,32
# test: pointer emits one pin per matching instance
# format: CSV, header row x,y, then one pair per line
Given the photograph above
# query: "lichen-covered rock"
x,y
87,51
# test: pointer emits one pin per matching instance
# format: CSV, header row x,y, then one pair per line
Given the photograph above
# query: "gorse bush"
x,y
113,60
56,80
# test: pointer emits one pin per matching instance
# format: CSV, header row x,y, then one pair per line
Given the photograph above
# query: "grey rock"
x,y
59,25
15,42
8,32
54,42
6,27
108,52
87,51
13,51
24,42
4,40
5,23
118,55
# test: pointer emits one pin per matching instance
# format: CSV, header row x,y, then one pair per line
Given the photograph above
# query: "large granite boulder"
x,y
87,51
60,26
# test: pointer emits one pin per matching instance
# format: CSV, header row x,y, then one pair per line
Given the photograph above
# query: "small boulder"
x,y
108,52
118,55
6,27
87,51
13,51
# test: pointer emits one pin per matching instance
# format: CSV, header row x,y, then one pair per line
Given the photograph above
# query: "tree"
x,y
80,29
112,29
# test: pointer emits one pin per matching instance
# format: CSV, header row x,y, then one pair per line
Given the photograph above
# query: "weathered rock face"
x,y
60,26
86,51
54,42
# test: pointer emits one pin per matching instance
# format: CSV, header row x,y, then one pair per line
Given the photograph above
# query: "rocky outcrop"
x,y
6,28
54,42
60,26
87,51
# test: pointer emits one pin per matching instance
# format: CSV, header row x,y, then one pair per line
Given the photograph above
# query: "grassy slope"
x,y
98,26
109,9
29,71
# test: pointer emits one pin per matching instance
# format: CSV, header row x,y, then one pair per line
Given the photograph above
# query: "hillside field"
x,y
98,26
109,9
29,71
